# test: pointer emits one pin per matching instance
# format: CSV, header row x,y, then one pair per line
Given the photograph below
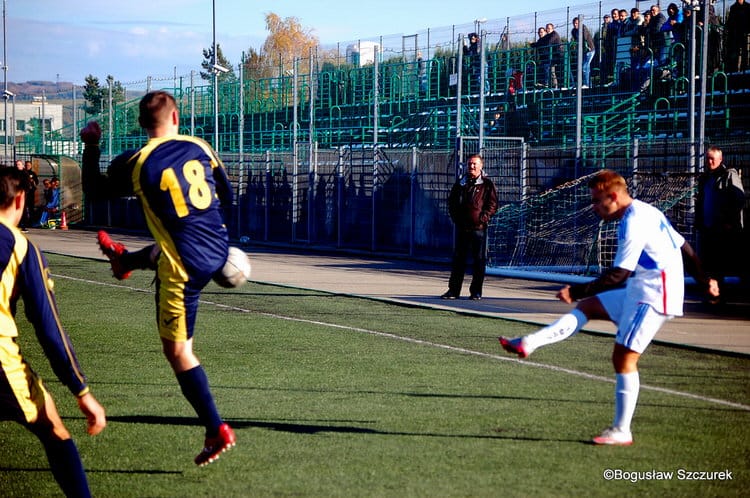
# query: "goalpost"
x,y
554,234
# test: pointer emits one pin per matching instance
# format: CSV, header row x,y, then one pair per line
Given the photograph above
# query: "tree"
x,y
287,40
92,93
208,65
96,96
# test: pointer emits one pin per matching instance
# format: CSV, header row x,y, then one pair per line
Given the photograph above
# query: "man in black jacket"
x,y
471,204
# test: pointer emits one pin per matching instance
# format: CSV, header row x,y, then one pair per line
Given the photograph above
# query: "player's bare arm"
x,y
694,267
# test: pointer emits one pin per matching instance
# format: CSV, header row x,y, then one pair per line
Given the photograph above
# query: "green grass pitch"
x,y
335,396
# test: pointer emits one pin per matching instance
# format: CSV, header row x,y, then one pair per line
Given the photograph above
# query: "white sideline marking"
x,y
436,345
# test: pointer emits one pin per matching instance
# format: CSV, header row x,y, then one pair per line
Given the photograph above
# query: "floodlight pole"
x,y
691,92
704,83
5,85
579,95
215,79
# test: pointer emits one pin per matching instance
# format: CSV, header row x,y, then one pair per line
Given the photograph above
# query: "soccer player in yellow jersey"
x,y
182,187
23,397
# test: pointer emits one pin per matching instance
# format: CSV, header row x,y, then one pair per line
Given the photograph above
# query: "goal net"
x,y
557,231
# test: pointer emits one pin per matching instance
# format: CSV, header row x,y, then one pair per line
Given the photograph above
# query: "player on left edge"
x,y
23,396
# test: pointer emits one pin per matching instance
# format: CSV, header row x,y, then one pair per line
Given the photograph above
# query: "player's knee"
x,y
624,360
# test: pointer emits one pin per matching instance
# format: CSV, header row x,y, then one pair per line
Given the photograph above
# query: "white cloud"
x,y
93,48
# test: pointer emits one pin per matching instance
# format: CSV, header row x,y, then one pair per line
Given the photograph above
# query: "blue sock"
x,y
67,468
194,384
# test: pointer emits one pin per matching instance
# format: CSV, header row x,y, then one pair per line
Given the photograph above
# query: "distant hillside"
x,y
29,89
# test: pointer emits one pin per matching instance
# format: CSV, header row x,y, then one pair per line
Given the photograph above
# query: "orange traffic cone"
x,y
63,221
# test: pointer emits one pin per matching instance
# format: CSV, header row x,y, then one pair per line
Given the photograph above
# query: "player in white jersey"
x,y
649,262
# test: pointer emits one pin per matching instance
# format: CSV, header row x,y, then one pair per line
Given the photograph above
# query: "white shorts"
x,y
637,323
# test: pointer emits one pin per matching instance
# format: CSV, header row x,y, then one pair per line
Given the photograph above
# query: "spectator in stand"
x,y
714,39
657,38
541,57
738,28
642,58
674,31
632,28
588,51
557,55
623,20
632,24
718,211
613,32
600,40
473,60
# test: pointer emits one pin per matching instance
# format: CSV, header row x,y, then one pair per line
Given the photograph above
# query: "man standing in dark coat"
x,y
471,204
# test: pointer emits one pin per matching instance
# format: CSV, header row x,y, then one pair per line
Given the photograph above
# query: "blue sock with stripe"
x,y
194,385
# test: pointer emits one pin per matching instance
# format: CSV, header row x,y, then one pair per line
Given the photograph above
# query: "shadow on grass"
x,y
45,470
316,428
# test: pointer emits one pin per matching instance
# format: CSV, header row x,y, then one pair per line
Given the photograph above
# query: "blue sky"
x,y
66,40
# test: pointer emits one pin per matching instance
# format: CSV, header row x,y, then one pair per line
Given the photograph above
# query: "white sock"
x,y
627,387
564,327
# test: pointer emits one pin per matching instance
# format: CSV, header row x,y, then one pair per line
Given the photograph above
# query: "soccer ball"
x,y
236,270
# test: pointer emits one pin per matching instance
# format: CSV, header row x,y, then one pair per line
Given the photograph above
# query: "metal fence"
x,y
395,201
327,152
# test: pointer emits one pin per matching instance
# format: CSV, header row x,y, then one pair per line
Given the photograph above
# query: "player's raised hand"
x,y
713,288
96,420
91,133
564,295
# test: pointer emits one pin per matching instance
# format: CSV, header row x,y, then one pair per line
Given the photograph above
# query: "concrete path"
x,y
421,284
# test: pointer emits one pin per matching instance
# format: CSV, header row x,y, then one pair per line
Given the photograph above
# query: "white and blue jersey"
x,y
649,247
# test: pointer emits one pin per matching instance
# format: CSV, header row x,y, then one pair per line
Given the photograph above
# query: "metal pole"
x,y
412,196
482,82
375,97
75,124
579,93
459,78
295,106
241,142
267,203
41,121
110,121
691,93
295,150
704,83
339,196
192,102
5,82
376,104
215,80
13,120
312,147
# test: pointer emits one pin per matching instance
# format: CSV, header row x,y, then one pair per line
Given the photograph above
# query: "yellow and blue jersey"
x,y
182,186
25,276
